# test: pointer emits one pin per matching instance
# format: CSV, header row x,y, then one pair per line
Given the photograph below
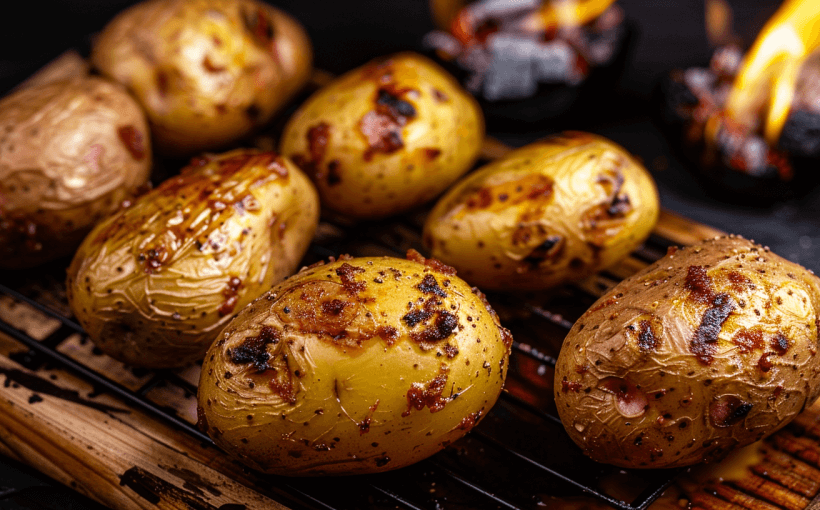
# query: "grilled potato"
x,y
548,213
154,284
385,137
207,72
709,349
358,366
71,152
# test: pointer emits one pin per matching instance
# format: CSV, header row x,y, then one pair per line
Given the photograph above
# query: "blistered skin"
x,y
709,349
358,366
207,72
70,153
154,284
548,213
385,137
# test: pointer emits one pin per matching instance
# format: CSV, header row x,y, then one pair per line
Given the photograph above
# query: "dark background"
x,y
347,33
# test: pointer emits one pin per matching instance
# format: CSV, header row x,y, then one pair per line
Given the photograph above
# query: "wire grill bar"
x,y
407,236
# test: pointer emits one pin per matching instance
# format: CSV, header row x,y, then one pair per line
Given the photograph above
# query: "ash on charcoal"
x,y
508,58
510,75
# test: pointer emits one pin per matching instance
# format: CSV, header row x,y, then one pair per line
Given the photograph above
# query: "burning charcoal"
x,y
554,62
510,75
801,134
484,9
726,61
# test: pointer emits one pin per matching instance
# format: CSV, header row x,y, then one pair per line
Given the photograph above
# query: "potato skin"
x,y
548,213
709,349
207,72
385,137
353,367
70,152
154,284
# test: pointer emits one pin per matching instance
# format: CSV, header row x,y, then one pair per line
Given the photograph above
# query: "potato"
x,y
385,137
358,366
207,72
154,284
70,153
709,349
548,213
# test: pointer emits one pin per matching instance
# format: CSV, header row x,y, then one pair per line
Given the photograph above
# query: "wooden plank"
x,y
112,454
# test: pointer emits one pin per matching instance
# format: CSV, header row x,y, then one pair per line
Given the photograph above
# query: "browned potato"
x,y
358,366
153,285
207,72
709,349
385,137
548,213
70,153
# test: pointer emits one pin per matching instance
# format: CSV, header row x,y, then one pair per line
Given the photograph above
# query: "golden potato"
x,y
709,349
548,213
154,284
358,366
70,152
385,137
207,72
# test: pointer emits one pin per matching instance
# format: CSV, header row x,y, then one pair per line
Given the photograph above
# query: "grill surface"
x,y
521,440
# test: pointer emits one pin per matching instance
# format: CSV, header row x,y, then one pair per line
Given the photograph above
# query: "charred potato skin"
x,y
207,72
70,153
709,349
153,285
548,213
386,137
353,367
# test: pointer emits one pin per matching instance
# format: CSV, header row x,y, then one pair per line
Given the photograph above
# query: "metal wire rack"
x,y
518,457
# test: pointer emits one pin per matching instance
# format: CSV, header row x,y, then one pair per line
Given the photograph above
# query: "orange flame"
x,y
568,13
551,15
769,72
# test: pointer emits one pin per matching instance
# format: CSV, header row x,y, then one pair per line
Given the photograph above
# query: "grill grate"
x,y
521,440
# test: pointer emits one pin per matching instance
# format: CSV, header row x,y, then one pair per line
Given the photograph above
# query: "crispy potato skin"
x,y
553,211
207,72
70,152
385,137
154,284
353,367
709,349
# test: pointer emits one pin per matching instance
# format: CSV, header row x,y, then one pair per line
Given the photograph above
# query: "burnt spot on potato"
x,y
699,285
421,395
432,153
728,410
704,342
740,283
254,349
438,323
748,340
780,344
604,220
231,295
382,126
347,273
364,425
432,263
429,285
645,331
318,137
326,309
532,188
133,140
